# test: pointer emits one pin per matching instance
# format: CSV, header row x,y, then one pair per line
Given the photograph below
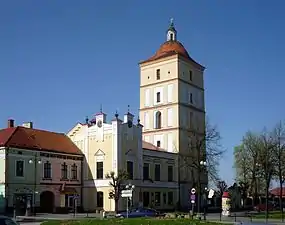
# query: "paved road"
x,y
31,223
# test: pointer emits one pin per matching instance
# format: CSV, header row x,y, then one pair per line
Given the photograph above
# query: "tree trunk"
x,y
280,196
116,206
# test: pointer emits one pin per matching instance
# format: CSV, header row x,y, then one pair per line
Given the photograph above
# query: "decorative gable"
x,y
74,130
99,155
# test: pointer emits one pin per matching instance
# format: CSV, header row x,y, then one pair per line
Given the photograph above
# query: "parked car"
x,y
7,221
139,212
262,207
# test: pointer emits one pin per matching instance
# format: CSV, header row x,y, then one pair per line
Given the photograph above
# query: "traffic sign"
x,y
127,193
193,191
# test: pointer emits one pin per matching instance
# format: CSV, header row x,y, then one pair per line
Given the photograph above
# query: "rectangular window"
x,y
158,97
130,169
157,172
20,168
157,198
158,74
99,170
147,97
170,173
170,92
164,198
146,171
158,144
64,171
190,75
190,98
74,172
169,117
190,120
170,198
47,170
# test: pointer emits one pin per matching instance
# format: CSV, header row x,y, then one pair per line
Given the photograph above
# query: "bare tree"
x,y
266,161
243,187
279,157
117,184
202,156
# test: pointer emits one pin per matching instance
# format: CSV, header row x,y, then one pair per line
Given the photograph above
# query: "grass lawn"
x,y
272,215
137,221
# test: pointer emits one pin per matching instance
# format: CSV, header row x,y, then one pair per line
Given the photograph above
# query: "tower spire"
x,y
171,31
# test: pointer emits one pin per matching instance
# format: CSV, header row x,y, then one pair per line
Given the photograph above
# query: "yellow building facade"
x,y
115,146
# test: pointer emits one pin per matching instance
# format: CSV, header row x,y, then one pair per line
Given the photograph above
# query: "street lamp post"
x,y
132,188
202,165
36,161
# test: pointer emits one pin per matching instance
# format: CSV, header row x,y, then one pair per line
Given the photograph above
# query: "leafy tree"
x,y
117,184
246,164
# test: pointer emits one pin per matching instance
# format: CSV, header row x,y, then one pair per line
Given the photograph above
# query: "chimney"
x,y
28,125
11,123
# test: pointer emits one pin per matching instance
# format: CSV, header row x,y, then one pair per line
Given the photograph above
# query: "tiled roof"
x,y
170,48
34,139
149,146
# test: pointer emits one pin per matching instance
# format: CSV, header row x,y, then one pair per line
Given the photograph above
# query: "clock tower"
x,y
172,99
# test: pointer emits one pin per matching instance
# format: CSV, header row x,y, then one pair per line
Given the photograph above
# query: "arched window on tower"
x,y
171,37
157,120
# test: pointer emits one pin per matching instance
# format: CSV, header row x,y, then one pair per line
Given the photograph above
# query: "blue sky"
x,y
60,59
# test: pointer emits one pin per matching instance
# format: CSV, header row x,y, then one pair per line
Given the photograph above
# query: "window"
x,y
100,199
145,171
164,198
19,168
171,37
130,169
157,120
190,98
190,120
74,172
158,74
170,173
158,144
158,97
157,172
64,171
157,198
170,198
99,167
190,75
47,170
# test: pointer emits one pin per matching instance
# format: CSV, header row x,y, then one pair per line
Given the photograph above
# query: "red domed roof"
x,y
170,48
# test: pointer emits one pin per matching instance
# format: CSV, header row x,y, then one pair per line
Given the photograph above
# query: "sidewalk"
x,y
42,217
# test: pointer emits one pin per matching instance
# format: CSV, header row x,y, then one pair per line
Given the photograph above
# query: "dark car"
x,y
139,212
7,221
